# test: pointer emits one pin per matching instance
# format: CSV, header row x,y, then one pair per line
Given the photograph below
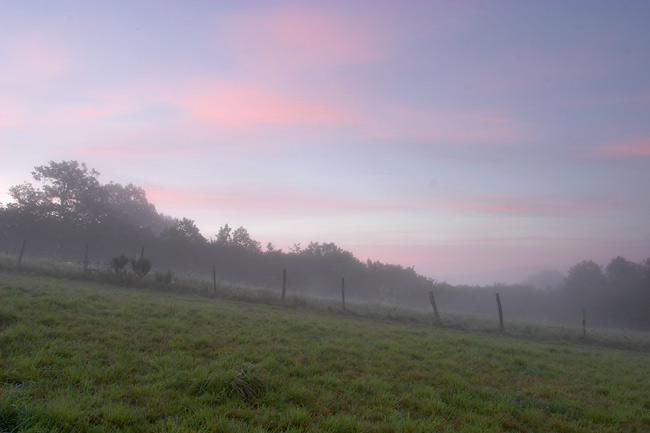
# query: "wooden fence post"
x,y
500,314
584,323
435,307
86,260
343,291
284,283
214,279
22,251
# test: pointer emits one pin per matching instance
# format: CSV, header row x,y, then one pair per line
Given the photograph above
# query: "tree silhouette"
x,y
586,278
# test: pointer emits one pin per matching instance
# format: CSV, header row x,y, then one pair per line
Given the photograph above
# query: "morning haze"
x,y
324,216
480,142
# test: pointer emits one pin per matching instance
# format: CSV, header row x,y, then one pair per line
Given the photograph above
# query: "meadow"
x,y
81,356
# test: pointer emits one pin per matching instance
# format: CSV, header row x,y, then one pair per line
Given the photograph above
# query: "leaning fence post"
x,y
435,307
343,291
22,251
284,283
584,323
500,313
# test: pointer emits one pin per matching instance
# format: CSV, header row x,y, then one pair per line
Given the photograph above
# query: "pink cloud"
x,y
9,118
303,201
243,106
294,38
33,56
515,239
447,127
260,198
638,147
515,204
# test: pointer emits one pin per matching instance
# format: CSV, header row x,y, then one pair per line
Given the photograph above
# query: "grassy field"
x,y
78,356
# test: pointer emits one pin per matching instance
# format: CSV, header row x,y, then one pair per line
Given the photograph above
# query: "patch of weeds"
x,y
7,318
213,384
525,369
248,384
553,407
13,411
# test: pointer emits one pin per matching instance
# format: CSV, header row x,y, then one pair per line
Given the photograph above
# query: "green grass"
x,y
77,356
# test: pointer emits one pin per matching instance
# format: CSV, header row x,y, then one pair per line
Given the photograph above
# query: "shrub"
x,y
164,277
118,264
140,267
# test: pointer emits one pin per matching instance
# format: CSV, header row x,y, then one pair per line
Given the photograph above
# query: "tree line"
x,y
617,295
70,208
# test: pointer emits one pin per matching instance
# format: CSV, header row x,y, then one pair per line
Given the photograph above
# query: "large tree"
x,y
624,275
69,193
586,278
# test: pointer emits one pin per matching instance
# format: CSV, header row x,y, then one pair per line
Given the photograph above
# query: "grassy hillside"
x,y
78,356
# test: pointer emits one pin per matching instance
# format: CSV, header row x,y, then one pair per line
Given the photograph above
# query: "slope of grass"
x,y
78,356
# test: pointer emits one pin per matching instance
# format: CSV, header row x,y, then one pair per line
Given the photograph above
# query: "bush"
x,y
118,264
140,267
164,277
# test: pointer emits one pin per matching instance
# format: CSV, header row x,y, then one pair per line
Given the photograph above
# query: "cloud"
x,y
259,198
513,204
33,56
308,202
446,126
232,106
293,39
631,148
9,118
247,105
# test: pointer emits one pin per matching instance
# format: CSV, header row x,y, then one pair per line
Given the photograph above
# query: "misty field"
x,y
79,356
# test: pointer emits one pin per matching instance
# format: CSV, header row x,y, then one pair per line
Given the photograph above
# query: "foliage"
x,y
224,237
140,266
70,193
118,264
241,239
71,208
238,238
184,229
585,278
624,275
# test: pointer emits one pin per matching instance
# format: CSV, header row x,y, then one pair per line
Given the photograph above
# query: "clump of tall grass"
x,y
248,384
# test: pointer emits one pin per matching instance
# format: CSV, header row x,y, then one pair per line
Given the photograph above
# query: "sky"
x,y
478,141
